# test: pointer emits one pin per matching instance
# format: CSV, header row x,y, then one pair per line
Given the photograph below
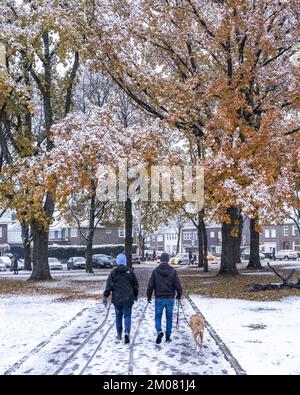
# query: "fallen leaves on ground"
x,y
68,292
234,287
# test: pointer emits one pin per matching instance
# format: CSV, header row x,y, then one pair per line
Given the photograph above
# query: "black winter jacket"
x,y
123,284
164,281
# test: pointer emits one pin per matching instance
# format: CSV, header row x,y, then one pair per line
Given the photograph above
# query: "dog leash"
x,y
179,304
177,320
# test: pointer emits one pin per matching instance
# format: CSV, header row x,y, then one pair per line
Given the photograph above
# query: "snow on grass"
x,y
26,321
262,336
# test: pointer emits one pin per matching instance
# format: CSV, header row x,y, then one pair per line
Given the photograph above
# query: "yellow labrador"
x,y
197,324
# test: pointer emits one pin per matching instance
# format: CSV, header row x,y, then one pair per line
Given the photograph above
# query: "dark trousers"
x,y
123,311
160,305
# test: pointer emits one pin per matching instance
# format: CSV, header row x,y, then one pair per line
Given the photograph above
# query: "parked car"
x,y
102,261
180,259
6,260
2,266
245,255
55,264
112,259
286,254
76,262
211,258
136,259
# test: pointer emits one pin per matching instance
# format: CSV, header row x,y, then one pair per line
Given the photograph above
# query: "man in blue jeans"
x,y
123,284
165,282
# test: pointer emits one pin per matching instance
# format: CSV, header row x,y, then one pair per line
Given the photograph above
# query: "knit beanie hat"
x,y
164,258
121,260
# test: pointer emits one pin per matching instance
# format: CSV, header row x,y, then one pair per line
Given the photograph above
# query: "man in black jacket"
x,y
123,284
164,281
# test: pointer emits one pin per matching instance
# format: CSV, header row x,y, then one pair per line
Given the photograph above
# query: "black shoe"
x,y
168,339
159,337
126,338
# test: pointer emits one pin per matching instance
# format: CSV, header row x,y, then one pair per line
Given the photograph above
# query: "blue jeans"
x,y
126,312
160,304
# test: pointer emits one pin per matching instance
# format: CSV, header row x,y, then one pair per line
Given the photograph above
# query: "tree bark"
x,y
26,240
254,259
128,231
200,246
91,230
178,239
228,265
237,246
40,270
142,244
205,249
40,235
89,253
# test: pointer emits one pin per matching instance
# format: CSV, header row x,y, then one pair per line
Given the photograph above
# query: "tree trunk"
x,y
40,236
89,254
40,270
237,246
143,246
200,246
178,240
228,265
26,245
91,230
254,259
128,231
204,235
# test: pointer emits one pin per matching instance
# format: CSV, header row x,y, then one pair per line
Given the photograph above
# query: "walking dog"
x,y
197,324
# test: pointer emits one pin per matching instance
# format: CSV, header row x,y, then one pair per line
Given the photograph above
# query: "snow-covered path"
x,y
88,345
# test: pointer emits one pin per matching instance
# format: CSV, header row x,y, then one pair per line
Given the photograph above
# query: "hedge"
x,y
65,252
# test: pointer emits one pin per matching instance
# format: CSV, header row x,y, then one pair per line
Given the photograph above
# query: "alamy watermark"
x,y
155,183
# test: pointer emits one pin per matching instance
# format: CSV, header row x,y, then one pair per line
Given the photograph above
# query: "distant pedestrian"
x,y
190,257
164,282
273,254
15,264
124,286
146,256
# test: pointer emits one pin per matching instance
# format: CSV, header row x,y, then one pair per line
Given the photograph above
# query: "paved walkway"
x,y
88,345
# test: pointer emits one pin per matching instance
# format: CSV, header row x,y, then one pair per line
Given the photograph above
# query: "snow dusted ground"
x,y
75,343
26,321
262,336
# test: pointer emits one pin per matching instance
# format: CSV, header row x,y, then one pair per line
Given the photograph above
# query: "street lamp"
x,y
2,54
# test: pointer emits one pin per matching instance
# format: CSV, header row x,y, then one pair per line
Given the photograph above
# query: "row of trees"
x,y
221,76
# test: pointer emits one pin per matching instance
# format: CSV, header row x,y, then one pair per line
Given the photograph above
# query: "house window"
x,y
1,232
121,233
295,231
285,231
56,234
219,234
73,232
108,231
212,234
187,236
267,233
297,245
273,233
